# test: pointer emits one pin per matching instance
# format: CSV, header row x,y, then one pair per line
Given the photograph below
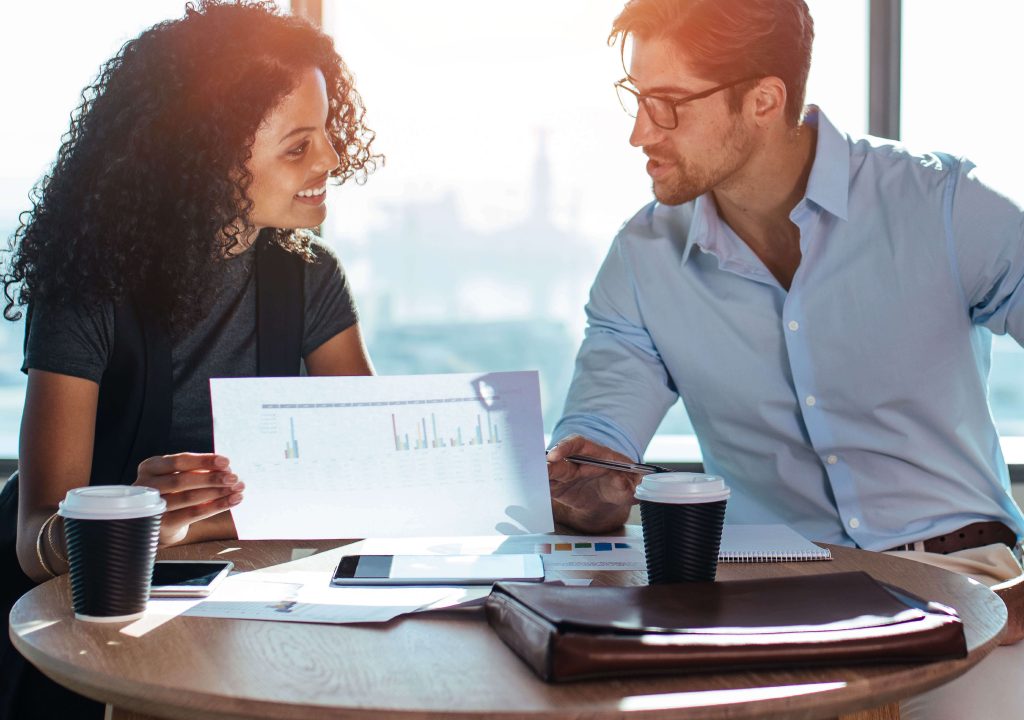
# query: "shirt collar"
x,y
703,224
828,185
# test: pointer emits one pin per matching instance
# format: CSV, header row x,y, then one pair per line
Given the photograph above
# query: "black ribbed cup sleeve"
x,y
682,541
111,564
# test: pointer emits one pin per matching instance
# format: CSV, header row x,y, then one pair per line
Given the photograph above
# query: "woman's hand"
x,y
589,498
195,485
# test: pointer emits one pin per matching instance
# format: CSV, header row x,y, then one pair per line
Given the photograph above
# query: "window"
x,y
508,173
958,96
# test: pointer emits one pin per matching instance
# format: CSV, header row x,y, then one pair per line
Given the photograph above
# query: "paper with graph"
x,y
413,455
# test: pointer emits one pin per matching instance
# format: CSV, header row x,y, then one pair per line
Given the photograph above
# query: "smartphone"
x,y
187,578
436,569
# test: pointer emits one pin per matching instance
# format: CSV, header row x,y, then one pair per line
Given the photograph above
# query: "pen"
x,y
639,468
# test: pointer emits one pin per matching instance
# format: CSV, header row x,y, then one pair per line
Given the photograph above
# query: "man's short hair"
x,y
731,39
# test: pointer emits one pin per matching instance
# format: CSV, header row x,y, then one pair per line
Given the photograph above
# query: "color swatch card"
x,y
350,457
572,553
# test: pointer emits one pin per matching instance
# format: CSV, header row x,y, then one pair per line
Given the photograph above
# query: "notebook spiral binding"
x,y
762,557
767,544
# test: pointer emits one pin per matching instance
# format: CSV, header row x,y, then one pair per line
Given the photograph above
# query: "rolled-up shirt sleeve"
x,y
621,389
986,230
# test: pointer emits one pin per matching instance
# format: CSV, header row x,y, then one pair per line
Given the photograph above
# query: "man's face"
x,y
710,143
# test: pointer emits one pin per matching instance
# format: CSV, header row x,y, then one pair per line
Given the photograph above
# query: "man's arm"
x,y
986,232
621,389
619,395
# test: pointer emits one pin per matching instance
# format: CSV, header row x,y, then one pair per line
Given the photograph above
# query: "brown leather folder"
x,y
574,633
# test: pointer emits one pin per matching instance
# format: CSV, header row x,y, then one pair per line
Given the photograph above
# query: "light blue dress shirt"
x,y
852,407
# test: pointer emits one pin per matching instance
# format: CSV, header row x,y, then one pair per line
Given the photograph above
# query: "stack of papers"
x,y
300,591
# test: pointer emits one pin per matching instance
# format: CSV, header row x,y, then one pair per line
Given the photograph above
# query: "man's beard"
x,y
688,183
685,185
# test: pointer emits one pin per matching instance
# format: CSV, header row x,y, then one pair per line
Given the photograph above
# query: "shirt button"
x,y
831,459
854,523
794,325
810,401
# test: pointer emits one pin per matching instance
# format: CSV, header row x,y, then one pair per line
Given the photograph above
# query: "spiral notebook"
x,y
767,543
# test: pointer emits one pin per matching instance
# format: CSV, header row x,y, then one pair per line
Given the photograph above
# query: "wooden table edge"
x,y
166,702
163,702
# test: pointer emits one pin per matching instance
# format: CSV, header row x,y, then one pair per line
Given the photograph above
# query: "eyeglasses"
x,y
660,109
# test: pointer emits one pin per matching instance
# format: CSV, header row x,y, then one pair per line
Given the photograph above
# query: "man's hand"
x,y
587,497
195,486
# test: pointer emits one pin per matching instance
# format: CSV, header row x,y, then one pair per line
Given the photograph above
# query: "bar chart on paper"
x,y
291,448
426,436
399,455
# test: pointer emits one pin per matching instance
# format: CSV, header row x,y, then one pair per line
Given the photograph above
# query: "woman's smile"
x,y
312,196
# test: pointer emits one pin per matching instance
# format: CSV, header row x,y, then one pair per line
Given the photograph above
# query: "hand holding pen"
x,y
595,492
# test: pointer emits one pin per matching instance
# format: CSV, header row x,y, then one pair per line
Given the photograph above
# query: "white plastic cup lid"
x,y
681,488
111,502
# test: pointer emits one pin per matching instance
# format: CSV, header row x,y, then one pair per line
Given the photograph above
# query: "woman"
x,y
168,246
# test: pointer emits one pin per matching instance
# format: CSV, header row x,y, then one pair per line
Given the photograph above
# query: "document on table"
x,y
308,597
344,457
557,552
740,543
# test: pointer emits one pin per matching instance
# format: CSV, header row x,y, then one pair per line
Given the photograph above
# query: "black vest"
x,y
133,417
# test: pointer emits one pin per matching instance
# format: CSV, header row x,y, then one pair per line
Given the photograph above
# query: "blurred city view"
x,y
437,295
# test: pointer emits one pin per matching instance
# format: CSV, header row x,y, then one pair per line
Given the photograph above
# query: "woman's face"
x,y
291,159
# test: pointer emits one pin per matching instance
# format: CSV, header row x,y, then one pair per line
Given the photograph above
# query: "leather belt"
x,y
974,535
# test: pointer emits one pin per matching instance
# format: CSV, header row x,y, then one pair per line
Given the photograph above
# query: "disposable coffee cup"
x,y
112,533
682,516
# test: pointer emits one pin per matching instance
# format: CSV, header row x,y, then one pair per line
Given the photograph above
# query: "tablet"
x,y
437,569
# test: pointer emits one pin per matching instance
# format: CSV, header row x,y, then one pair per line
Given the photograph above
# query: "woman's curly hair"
x,y
149,188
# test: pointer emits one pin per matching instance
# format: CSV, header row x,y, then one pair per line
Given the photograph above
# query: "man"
x,y
822,304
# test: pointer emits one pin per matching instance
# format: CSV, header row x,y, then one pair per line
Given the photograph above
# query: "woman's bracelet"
x,y
39,547
49,539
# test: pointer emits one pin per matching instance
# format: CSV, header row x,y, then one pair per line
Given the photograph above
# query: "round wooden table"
x,y
450,664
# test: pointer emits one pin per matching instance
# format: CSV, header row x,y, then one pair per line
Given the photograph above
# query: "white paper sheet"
x,y
308,597
399,456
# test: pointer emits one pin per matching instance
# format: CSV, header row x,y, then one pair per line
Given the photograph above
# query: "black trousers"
x,y
25,693
30,695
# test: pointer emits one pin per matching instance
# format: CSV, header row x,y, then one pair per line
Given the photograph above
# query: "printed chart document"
x,y
397,456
